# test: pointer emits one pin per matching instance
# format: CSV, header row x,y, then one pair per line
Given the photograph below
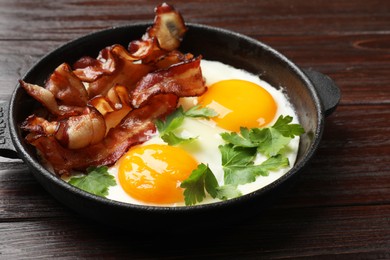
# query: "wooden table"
x,y
340,208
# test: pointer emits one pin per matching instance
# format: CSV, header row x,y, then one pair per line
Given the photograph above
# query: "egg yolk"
x,y
239,103
153,173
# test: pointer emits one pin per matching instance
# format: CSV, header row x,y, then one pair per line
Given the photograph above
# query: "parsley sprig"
x,y
201,180
96,181
269,140
174,120
238,160
239,168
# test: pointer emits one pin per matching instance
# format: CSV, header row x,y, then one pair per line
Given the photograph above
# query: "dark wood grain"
x,y
338,209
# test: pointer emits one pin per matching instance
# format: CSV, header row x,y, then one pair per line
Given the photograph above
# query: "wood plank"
x,y
323,233
65,20
16,58
21,196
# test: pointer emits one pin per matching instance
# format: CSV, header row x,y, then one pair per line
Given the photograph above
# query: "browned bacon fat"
x,y
100,108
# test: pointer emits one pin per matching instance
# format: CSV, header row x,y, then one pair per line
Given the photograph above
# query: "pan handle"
x,y
327,90
7,149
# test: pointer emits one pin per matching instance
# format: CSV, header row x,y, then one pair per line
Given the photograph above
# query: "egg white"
x,y
205,148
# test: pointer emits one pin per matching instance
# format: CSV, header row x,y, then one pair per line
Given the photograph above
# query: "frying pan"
x,y
313,95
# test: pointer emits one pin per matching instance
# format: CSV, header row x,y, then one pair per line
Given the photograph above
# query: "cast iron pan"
x,y
313,95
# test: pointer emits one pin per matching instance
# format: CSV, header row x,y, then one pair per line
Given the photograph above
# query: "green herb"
x,y
201,180
227,192
243,170
96,181
240,151
175,120
270,140
238,164
172,139
172,122
286,129
238,160
198,111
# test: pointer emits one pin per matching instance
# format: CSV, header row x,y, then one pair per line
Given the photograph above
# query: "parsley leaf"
x,y
172,139
195,184
201,180
174,120
273,163
238,166
237,140
286,129
269,140
96,181
239,153
198,111
227,192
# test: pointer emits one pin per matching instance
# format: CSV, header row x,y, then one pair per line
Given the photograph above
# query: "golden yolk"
x,y
153,173
239,103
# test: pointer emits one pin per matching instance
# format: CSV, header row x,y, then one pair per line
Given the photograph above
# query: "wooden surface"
x,y
340,209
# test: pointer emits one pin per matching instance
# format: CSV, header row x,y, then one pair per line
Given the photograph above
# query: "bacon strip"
x,y
48,100
66,87
137,127
114,106
163,36
75,132
172,58
125,73
169,27
183,79
42,95
89,69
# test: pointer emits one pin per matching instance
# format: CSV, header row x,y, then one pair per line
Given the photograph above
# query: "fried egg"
x,y
151,173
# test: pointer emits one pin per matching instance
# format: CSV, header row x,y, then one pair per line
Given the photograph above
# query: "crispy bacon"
x,y
48,100
114,106
83,130
89,69
168,28
42,95
64,94
123,71
102,107
38,125
183,79
136,128
66,87
172,58
75,132
163,36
